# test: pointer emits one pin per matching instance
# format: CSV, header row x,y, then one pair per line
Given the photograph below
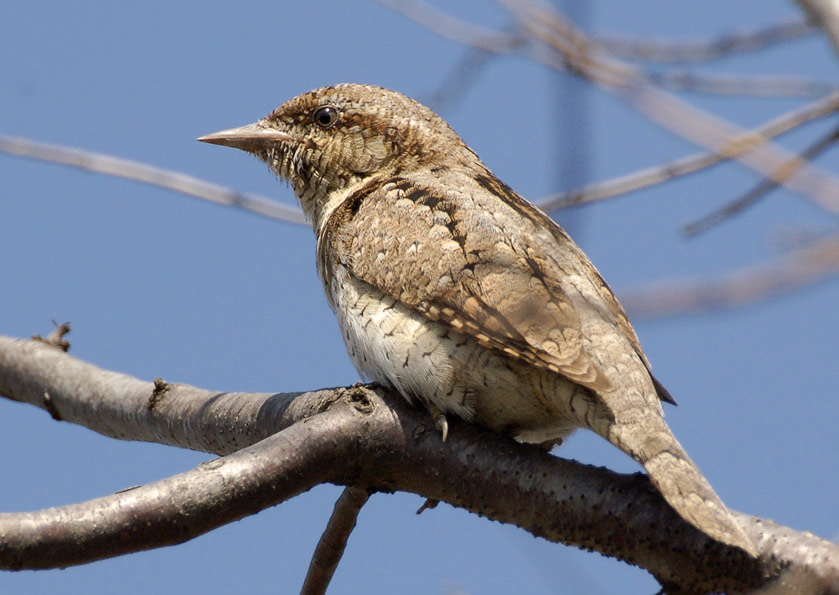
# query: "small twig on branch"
x,y
56,337
149,174
333,542
669,51
759,191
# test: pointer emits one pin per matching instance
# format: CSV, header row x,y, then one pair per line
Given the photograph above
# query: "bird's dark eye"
x,y
325,116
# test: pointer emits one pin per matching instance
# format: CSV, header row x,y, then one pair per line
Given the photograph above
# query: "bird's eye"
x,y
325,116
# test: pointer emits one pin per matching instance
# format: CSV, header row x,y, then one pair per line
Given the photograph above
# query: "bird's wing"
x,y
475,256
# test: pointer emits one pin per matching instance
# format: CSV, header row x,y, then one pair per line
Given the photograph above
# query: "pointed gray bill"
x,y
248,138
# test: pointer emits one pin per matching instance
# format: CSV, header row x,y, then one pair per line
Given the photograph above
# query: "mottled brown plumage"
x,y
458,293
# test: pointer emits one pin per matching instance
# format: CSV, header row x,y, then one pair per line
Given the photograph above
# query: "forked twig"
x,y
558,45
692,163
592,61
759,191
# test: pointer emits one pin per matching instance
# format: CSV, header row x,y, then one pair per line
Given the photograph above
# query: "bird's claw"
x,y
439,419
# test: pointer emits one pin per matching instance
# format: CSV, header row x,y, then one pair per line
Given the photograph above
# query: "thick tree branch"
x,y
124,407
181,507
370,439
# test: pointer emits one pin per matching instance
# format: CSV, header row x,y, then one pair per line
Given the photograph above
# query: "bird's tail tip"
x,y
680,481
687,491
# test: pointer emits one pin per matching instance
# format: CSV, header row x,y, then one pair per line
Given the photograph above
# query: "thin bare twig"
x,y
457,30
453,87
826,14
430,17
149,174
759,191
739,85
333,542
669,51
692,163
499,42
805,266
656,50
590,60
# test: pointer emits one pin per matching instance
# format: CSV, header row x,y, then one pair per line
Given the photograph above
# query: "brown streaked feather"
x,y
491,183
476,286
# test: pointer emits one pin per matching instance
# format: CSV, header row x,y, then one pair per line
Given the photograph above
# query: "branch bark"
x,y
284,444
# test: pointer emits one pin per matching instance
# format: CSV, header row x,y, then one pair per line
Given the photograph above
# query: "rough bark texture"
x,y
361,437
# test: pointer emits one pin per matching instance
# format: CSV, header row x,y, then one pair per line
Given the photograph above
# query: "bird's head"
x,y
327,140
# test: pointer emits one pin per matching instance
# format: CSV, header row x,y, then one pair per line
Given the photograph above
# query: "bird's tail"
x,y
678,478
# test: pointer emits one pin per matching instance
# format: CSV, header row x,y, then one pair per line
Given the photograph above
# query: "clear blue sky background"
x,y
157,284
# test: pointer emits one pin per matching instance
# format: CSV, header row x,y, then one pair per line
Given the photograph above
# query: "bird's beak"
x,y
248,138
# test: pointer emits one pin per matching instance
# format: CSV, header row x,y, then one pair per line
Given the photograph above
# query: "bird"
x,y
462,296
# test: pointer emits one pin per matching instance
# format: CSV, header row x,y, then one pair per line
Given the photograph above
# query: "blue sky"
x,y
158,284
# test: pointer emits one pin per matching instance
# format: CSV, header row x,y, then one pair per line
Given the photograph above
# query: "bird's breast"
x,y
399,347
